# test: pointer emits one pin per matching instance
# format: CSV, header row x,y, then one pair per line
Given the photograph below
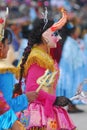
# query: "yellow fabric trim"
x,y
39,57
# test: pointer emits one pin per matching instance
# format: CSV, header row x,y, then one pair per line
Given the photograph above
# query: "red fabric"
x,y
3,105
56,52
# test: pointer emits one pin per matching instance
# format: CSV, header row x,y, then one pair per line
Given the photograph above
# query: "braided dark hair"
x,y
35,37
17,88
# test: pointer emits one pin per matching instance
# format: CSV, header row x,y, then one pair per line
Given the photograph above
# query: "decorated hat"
x,y
3,16
56,26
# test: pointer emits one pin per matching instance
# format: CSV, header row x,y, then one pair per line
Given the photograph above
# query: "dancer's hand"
x,y
62,101
31,96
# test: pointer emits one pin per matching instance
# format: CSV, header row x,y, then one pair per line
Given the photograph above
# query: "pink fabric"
x,y
42,112
44,98
63,119
37,118
3,105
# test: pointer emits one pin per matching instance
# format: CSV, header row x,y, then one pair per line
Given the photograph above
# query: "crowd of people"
x,y
34,44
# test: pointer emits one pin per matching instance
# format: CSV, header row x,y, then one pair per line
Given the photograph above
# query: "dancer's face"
x,y
51,38
4,49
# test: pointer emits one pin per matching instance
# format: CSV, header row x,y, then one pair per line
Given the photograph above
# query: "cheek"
x,y
53,42
54,39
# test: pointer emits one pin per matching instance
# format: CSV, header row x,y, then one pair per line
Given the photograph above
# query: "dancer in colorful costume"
x,y
7,79
45,113
7,82
8,118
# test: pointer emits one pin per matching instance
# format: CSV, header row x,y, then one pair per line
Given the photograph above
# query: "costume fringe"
x,y
41,58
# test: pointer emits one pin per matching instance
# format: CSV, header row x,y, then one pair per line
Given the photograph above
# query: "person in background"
x,y
45,113
84,35
12,56
8,119
7,78
72,65
24,41
14,23
7,70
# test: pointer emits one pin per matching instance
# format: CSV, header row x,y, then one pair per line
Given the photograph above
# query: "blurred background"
x,y
21,15
23,12
33,8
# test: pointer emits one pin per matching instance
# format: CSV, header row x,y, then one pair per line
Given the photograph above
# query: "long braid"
x,y
17,89
35,37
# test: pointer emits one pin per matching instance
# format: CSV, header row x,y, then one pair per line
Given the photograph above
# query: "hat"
x,y
3,16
